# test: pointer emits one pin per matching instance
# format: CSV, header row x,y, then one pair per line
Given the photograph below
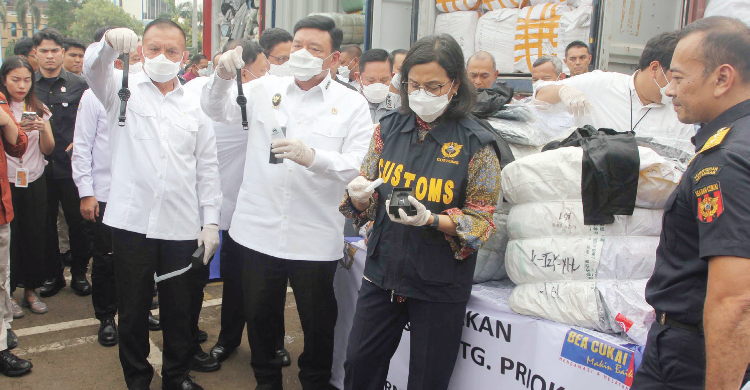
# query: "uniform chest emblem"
x,y
710,203
276,100
451,149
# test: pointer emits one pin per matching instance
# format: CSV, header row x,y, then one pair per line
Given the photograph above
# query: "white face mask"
x,y
204,72
663,90
161,69
135,68
281,70
396,81
305,66
427,107
375,93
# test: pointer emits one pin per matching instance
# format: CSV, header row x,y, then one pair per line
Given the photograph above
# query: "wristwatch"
x,y
435,222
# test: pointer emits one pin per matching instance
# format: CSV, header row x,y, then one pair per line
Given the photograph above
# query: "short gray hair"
x,y
483,55
557,64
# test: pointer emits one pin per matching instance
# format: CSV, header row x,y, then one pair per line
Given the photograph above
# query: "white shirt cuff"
x,y
322,161
210,215
85,190
220,83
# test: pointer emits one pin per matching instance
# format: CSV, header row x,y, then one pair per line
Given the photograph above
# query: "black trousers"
x,y
675,359
65,192
376,332
136,259
232,315
264,283
27,234
103,285
200,279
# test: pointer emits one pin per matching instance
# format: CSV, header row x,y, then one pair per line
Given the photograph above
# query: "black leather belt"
x,y
664,319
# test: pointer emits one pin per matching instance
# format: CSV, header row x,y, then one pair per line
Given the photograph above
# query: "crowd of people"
x,y
149,180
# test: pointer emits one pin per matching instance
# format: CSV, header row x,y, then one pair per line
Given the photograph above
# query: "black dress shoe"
x,y
202,336
108,333
51,287
12,340
203,362
81,285
153,323
187,384
221,353
11,365
283,354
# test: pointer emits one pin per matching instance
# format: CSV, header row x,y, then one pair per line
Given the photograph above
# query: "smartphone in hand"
x,y
29,116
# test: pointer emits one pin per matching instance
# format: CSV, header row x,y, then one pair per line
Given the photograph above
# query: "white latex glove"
x,y
229,62
124,40
361,189
210,238
423,215
294,150
575,100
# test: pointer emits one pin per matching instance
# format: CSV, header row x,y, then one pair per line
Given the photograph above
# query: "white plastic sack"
x,y
537,2
495,5
537,34
565,218
491,257
532,122
531,260
521,151
462,26
457,5
606,306
495,34
353,26
556,175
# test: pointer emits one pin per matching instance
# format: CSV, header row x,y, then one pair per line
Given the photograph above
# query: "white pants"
x,y
6,311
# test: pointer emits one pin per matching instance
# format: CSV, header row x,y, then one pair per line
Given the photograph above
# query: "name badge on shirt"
x,y
22,177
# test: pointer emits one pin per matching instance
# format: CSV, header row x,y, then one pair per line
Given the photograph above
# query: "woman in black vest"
x,y
420,259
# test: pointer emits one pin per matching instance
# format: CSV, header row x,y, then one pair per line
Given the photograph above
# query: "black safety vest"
x,y
417,262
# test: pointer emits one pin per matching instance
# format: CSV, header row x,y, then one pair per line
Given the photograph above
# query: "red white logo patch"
x,y
710,203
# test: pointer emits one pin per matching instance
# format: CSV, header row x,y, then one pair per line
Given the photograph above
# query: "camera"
x,y
400,201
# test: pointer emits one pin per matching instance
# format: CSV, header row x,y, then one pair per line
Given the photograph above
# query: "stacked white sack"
x,y
457,5
537,34
610,306
495,34
462,26
495,5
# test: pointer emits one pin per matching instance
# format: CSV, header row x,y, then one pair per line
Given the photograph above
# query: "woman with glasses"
x,y
440,181
27,184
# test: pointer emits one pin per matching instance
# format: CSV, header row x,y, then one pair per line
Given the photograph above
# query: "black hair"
x,y
397,52
271,37
444,50
50,34
164,23
575,44
23,47
659,48
322,23
197,59
352,50
250,51
231,45
72,42
99,33
725,41
375,55
32,103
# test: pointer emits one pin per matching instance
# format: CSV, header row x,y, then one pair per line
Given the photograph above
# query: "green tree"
x,y
182,14
25,8
9,49
97,13
60,14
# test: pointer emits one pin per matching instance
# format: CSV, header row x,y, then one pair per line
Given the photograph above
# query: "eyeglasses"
x,y
280,60
431,89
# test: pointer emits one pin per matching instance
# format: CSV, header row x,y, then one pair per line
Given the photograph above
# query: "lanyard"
x,y
632,128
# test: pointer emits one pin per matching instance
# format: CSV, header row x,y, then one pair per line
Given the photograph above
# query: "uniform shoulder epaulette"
x,y
715,139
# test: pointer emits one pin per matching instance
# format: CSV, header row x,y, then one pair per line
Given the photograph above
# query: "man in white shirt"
x,y
285,219
624,103
164,168
375,74
348,65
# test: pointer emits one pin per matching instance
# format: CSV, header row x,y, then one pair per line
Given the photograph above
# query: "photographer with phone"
x,y
27,184
422,251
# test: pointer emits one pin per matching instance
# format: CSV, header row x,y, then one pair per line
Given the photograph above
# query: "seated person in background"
x,y
577,58
482,69
547,68
375,70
